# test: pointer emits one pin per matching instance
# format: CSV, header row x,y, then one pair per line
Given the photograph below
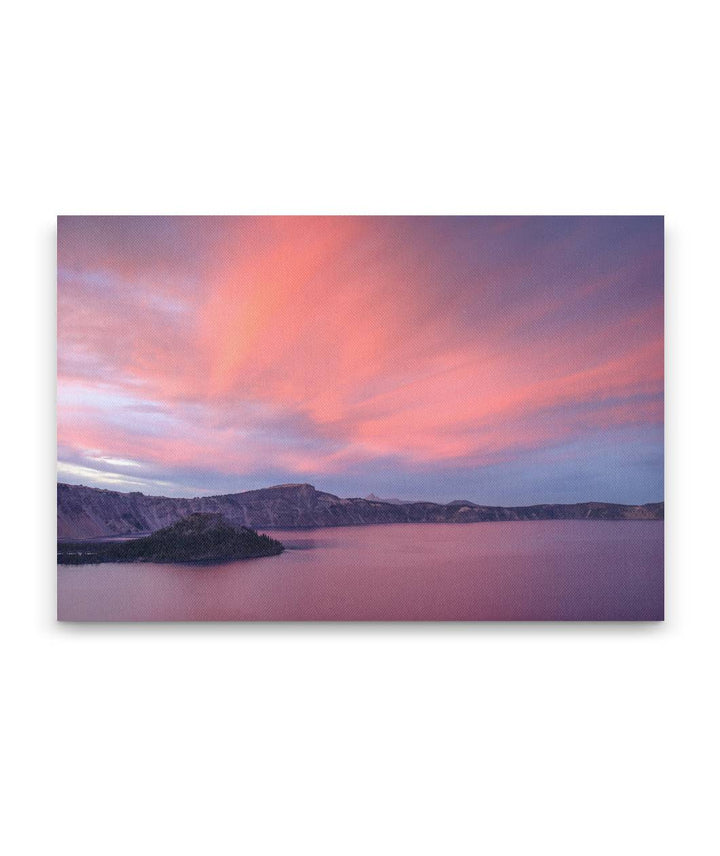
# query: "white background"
x,y
395,739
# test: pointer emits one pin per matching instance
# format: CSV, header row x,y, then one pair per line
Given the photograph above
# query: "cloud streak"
x,y
316,347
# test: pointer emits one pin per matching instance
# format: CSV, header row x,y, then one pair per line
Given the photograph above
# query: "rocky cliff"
x,y
86,512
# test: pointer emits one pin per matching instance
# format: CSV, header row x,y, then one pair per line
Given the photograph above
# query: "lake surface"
x,y
545,570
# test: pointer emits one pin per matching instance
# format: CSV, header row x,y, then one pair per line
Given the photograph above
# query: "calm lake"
x,y
545,570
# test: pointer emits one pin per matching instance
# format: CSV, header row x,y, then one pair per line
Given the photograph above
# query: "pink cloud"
x,y
363,338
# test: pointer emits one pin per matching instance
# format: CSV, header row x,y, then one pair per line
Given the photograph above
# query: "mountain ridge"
x,y
87,512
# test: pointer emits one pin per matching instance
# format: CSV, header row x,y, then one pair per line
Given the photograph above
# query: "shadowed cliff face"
x,y
85,512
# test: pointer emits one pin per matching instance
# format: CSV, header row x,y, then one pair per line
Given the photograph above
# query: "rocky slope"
x,y
86,512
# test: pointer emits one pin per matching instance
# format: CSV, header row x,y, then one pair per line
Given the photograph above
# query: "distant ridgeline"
x,y
86,512
195,538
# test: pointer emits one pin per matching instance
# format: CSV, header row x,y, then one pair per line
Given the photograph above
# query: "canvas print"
x,y
360,418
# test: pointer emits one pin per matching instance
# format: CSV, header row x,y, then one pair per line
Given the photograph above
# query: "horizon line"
x,y
378,499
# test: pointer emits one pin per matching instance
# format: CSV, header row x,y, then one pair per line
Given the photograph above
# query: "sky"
x,y
503,360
